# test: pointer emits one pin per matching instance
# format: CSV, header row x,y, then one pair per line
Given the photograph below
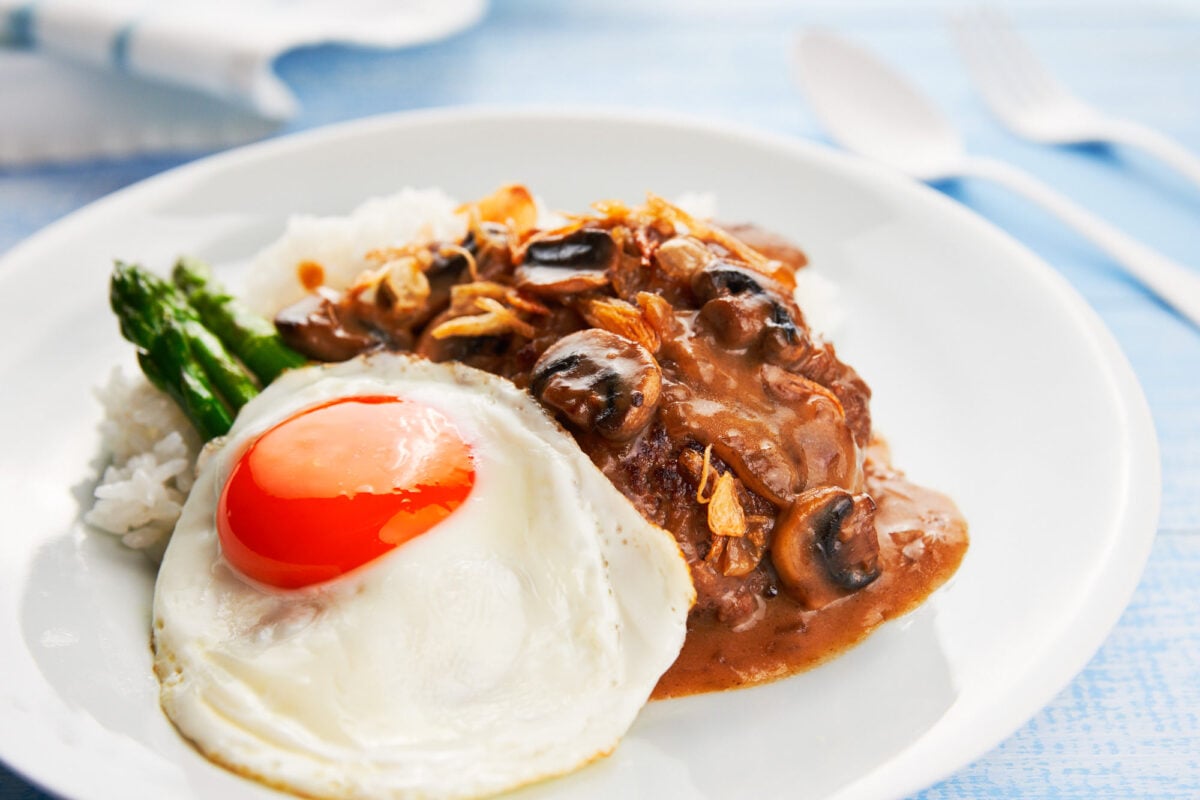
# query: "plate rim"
x,y
1119,572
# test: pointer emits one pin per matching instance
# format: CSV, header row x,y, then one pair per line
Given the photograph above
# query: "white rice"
x,y
153,446
153,450
700,205
819,299
340,244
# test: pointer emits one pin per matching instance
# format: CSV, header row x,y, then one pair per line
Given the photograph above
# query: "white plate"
x,y
992,381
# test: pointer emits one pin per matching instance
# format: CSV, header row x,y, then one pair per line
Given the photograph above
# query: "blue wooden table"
x,y
1129,725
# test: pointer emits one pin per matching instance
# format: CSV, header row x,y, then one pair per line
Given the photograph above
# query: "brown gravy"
x,y
677,357
923,538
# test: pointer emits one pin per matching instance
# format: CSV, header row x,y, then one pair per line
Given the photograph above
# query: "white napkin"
x,y
85,78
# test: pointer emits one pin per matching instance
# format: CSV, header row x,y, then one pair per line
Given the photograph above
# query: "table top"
x,y
1129,724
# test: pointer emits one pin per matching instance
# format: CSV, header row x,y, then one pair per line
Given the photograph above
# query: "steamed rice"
x,y
340,244
153,449
153,446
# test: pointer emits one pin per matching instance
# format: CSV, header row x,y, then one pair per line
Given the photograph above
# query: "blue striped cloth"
x,y
224,49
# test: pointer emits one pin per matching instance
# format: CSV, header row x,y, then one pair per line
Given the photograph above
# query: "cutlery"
x,y
1028,100
871,110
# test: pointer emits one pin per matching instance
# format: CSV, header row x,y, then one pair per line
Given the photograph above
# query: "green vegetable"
x,y
177,352
253,339
184,380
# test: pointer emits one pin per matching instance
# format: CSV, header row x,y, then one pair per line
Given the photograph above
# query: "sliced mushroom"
x,y
746,304
785,340
723,278
737,320
569,264
826,547
586,248
313,326
599,382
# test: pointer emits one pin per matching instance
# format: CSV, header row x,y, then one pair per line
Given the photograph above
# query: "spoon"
x,y
870,110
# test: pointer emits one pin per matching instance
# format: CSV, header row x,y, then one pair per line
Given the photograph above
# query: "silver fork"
x,y
1031,103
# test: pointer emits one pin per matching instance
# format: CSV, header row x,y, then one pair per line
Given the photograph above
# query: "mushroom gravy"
x,y
922,539
674,352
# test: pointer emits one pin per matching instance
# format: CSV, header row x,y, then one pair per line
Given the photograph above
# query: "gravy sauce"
x,y
679,360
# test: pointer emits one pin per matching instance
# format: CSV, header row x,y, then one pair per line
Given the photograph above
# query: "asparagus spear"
x,y
253,339
151,292
188,386
234,383
177,352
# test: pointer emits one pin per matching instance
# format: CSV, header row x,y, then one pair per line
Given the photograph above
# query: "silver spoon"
x,y
869,109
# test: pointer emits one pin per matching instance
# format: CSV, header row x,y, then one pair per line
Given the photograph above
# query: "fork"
x,y
1031,103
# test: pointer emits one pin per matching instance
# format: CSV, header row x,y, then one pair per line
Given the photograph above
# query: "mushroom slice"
x,y
314,326
766,305
785,342
723,278
575,262
826,547
600,382
585,248
737,320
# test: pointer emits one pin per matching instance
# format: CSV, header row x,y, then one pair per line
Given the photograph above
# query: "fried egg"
x,y
395,578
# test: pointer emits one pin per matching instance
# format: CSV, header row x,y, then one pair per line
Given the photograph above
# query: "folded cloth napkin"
x,y
69,65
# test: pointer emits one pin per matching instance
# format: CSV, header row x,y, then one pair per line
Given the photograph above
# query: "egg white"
x,y
514,641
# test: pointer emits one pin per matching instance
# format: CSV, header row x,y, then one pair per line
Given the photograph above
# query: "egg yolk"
x,y
338,485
